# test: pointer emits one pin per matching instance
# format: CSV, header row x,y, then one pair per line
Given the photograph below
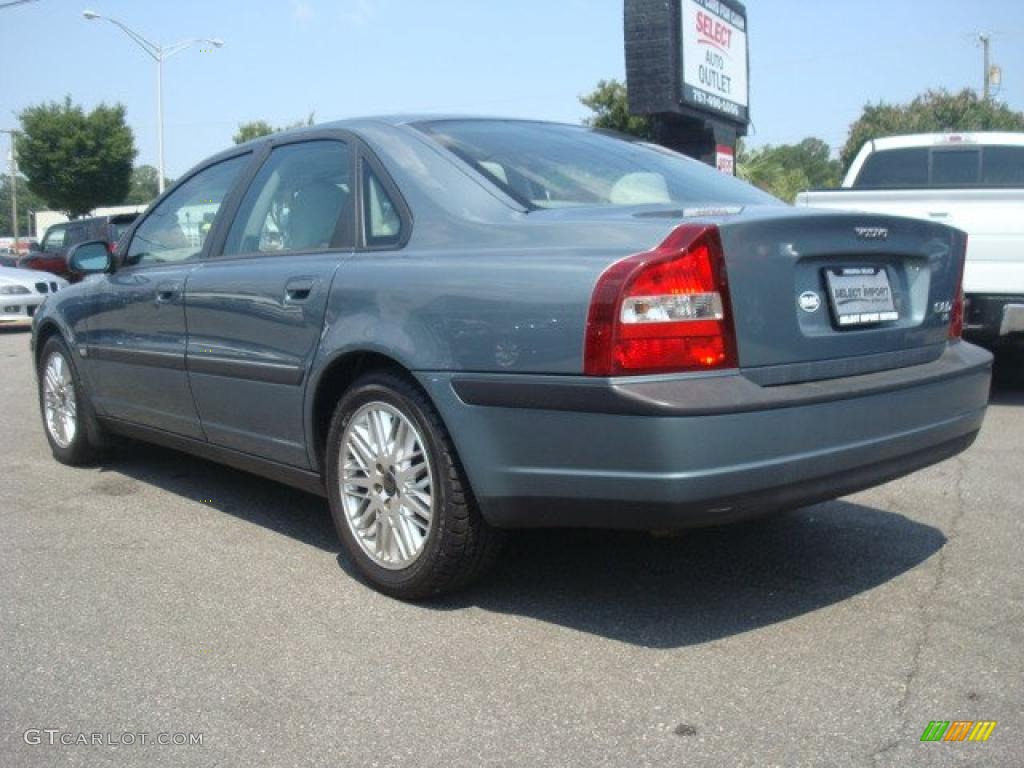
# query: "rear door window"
x,y
301,200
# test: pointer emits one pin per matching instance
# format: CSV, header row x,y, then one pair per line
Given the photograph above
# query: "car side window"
x,y
177,228
76,233
381,220
54,240
301,200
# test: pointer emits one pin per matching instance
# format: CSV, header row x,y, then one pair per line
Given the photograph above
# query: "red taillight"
x,y
956,315
664,310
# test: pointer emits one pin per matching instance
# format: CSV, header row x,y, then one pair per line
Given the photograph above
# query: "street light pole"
x,y
14,188
158,53
986,42
160,124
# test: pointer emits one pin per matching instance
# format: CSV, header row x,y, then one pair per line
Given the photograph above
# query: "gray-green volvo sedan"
x,y
450,327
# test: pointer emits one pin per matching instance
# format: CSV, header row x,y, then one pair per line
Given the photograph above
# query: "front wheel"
x,y
68,419
399,499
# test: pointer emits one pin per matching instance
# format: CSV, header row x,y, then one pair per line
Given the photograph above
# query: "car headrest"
x,y
313,215
640,188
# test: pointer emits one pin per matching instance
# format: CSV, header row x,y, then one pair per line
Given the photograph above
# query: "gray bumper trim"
x,y
701,395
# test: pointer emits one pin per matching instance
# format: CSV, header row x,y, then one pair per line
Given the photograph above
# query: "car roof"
x,y
394,120
113,218
983,138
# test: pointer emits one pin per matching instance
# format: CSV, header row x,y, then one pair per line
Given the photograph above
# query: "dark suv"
x,y
52,253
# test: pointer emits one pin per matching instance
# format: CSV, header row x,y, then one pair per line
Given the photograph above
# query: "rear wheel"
x,y
399,499
68,419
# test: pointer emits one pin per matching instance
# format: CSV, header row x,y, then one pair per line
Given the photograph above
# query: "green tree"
x,y
610,106
931,112
255,129
26,202
76,161
145,185
786,169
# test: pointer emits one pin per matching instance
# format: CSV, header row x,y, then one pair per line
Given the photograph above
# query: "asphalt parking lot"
x,y
161,594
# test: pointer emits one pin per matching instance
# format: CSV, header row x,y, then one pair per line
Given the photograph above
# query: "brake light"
x,y
956,314
665,310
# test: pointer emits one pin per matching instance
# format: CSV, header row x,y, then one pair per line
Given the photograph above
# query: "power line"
x,y
12,3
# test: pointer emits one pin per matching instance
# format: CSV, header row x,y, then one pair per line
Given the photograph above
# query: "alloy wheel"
x,y
386,485
59,404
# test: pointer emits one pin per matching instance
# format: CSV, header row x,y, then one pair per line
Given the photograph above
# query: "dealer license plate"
x,y
861,295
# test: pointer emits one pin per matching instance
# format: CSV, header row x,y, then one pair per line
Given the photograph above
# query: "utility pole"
x,y
986,42
14,188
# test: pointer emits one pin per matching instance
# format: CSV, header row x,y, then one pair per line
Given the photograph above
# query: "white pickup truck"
x,y
972,181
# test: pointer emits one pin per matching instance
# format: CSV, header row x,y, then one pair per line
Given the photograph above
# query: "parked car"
x,y
51,255
451,327
973,181
22,291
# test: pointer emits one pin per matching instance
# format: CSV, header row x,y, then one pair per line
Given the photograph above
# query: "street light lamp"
x,y
158,53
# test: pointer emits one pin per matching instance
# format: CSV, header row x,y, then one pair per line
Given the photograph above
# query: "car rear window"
x,y
895,168
943,167
1002,166
955,167
545,165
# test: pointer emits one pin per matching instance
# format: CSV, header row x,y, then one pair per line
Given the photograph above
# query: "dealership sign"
x,y
714,58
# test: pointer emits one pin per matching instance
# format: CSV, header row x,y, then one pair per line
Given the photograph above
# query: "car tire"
x,y
77,438
389,457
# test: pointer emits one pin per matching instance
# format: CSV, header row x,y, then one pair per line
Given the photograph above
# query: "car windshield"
x,y
546,165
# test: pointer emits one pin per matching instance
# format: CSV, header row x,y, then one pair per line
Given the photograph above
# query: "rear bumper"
x,y
682,458
994,319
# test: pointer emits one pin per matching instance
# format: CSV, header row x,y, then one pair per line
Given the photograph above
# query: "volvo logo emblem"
x,y
872,233
809,301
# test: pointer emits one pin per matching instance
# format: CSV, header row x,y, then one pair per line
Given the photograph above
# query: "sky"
x,y
813,64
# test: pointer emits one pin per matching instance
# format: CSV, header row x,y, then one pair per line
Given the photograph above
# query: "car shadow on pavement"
x,y
255,499
702,585
691,587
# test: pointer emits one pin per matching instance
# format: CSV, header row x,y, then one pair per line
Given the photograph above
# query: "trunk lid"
x,y
806,287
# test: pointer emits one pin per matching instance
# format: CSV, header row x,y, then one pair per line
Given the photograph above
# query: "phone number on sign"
x,y
702,99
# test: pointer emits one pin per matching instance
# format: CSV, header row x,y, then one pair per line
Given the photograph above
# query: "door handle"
x,y
166,292
938,214
298,289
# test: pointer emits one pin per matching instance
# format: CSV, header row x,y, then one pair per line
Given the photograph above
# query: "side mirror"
x,y
90,258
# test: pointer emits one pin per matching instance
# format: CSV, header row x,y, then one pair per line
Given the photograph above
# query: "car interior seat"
x,y
313,215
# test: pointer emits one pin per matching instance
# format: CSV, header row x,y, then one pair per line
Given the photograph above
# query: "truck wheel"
x,y
68,418
399,499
